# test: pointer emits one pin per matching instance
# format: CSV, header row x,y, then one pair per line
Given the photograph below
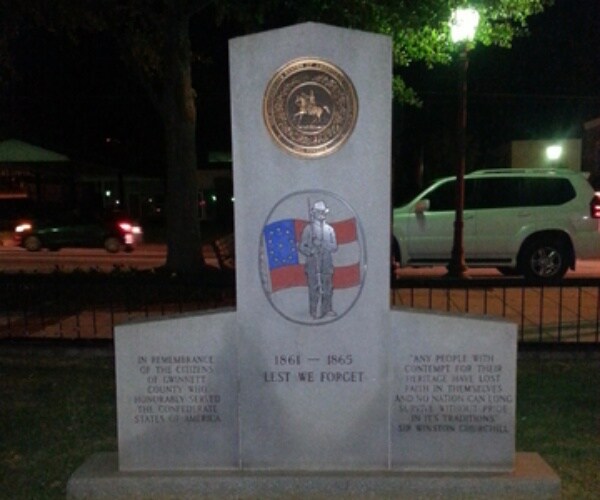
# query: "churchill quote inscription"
x,y
454,393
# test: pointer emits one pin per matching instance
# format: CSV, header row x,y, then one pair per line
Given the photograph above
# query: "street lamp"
x,y
463,24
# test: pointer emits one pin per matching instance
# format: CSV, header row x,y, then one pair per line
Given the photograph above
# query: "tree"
x,y
419,28
153,38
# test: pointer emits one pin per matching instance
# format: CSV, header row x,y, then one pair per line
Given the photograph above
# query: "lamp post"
x,y
463,24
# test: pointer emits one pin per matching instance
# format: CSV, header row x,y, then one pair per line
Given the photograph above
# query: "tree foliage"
x,y
153,38
419,28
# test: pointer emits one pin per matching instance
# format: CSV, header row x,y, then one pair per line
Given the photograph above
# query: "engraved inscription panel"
x,y
176,389
453,395
176,398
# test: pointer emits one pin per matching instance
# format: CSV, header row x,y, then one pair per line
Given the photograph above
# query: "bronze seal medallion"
x,y
310,107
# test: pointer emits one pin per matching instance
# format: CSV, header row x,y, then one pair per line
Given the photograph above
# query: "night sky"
x,y
545,87
549,82
72,98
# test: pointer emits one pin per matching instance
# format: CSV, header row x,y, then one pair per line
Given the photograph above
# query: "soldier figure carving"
x,y
317,244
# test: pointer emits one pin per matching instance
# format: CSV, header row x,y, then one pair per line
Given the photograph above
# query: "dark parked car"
x,y
70,229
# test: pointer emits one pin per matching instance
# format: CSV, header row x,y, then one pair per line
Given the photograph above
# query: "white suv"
x,y
533,222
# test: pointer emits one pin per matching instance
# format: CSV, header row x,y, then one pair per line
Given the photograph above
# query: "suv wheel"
x,y
112,244
544,259
32,243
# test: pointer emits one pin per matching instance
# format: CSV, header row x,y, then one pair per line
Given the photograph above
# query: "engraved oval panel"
x,y
312,257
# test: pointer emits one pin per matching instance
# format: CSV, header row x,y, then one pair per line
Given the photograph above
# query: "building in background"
x,y
48,179
562,153
34,172
31,176
591,151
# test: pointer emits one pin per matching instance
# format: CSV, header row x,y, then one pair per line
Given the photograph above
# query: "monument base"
x,y
99,477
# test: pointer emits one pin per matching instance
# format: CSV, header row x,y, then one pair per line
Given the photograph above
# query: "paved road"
x,y
148,256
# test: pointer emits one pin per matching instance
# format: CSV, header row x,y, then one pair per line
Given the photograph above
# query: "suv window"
x,y
510,192
503,192
494,192
540,192
443,198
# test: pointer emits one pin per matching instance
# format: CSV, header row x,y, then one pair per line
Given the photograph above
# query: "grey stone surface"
x,y
269,401
313,392
99,478
453,392
177,393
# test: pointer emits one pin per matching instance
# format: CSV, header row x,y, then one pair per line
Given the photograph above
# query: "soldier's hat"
x,y
320,206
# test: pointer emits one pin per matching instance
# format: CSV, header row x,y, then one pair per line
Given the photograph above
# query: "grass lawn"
x,y
58,407
558,416
55,411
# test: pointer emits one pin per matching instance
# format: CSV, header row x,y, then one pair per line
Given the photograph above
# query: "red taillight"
x,y
595,206
127,227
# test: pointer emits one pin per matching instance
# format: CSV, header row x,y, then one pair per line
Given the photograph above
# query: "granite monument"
x,y
314,386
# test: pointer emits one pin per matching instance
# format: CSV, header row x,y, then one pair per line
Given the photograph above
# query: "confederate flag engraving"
x,y
312,257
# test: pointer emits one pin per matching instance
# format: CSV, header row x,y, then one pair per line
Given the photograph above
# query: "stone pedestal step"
x,y
99,478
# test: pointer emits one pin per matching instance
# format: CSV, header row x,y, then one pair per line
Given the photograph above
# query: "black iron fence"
x,y
568,312
89,305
